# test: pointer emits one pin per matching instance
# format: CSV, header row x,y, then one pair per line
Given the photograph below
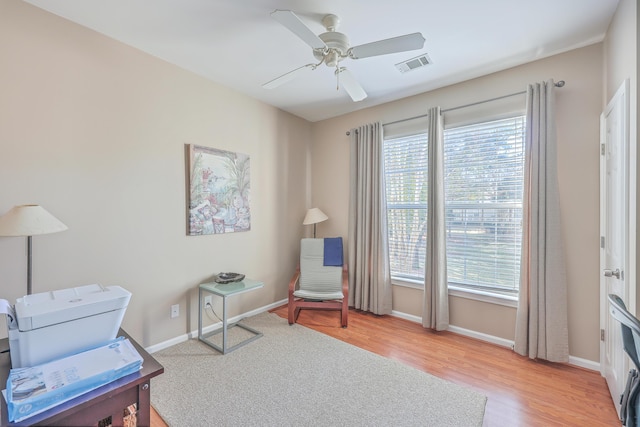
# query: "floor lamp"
x,y
27,221
314,216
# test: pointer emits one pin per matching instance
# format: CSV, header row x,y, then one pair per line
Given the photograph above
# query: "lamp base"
x,y
29,265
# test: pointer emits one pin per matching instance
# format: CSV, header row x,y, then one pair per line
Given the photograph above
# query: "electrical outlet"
x,y
175,310
207,301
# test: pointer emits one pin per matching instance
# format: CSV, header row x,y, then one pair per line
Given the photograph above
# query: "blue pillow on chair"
x,y
333,251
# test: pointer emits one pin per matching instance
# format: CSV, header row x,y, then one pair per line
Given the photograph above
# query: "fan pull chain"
x,y
338,76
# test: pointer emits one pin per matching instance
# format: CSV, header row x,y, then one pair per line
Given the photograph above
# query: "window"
x,y
484,175
405,163
484,178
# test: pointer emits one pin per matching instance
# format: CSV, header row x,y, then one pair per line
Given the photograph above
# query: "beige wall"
x,y
620,55
94,131
578,107
621,63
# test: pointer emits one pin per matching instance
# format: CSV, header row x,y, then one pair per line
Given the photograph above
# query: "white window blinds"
x,y
406,188
484,176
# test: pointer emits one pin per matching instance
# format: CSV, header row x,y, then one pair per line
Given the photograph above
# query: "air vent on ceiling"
x,y
414,63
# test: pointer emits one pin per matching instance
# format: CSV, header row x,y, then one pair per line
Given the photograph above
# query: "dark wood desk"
x,y
89,409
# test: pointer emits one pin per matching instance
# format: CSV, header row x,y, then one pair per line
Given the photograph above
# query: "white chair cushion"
x,y
316,280
320,296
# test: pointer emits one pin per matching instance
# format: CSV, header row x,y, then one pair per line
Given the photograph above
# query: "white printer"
x,y
56,324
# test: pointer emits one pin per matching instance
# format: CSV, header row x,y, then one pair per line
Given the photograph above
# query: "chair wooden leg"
x,y
293,313
345,313
292,320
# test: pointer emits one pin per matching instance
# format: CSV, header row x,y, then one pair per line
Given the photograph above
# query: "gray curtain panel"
x,y
541,320
435,306
369,272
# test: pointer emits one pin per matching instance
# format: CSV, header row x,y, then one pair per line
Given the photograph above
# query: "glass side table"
x,y
226,290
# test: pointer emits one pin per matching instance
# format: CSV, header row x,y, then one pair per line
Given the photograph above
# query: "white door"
x,y
614,232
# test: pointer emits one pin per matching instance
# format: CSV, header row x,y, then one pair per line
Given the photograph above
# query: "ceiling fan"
x,y
331,47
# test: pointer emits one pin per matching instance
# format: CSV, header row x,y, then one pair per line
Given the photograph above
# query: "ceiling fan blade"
x,y
297,27
278,81
383,47
351,85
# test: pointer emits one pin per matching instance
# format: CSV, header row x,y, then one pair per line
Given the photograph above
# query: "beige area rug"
x,y
294,376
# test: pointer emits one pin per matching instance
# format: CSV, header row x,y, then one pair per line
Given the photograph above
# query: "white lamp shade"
x,y
29,220
314,216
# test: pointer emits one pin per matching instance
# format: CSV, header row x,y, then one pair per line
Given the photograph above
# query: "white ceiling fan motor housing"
x,y
337,42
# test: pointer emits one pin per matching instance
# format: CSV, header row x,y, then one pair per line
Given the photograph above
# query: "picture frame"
x,y
218,191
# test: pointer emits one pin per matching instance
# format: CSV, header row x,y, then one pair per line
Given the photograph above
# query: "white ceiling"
x,y
237,44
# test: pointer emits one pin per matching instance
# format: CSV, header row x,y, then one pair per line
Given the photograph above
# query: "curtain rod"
x,y
558,84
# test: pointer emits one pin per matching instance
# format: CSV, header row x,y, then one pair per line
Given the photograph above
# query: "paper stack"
x,y
35,389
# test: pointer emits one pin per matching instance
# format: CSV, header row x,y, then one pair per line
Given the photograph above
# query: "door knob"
x,y
610,273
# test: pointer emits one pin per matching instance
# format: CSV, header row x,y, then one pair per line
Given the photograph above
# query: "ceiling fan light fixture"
x,y
337,48
331,47
331,58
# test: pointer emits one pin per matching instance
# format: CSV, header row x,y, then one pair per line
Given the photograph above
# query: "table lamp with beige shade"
x,y
314,216
28,221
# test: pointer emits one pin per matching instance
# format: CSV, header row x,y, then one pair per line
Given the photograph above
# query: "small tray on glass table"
x,y
228,277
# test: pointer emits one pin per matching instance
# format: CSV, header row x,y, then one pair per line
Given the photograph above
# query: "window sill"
x,y
473,294
408,283
484,296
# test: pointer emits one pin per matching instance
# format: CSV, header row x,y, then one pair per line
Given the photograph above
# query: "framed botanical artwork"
x,y
218,191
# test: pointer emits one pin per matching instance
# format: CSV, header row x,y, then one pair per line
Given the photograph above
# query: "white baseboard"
x,y
502,342
194,334
405,316
584,363
576,361
461,331
166,344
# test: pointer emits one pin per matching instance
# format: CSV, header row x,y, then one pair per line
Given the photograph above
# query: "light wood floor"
x,y
520,392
